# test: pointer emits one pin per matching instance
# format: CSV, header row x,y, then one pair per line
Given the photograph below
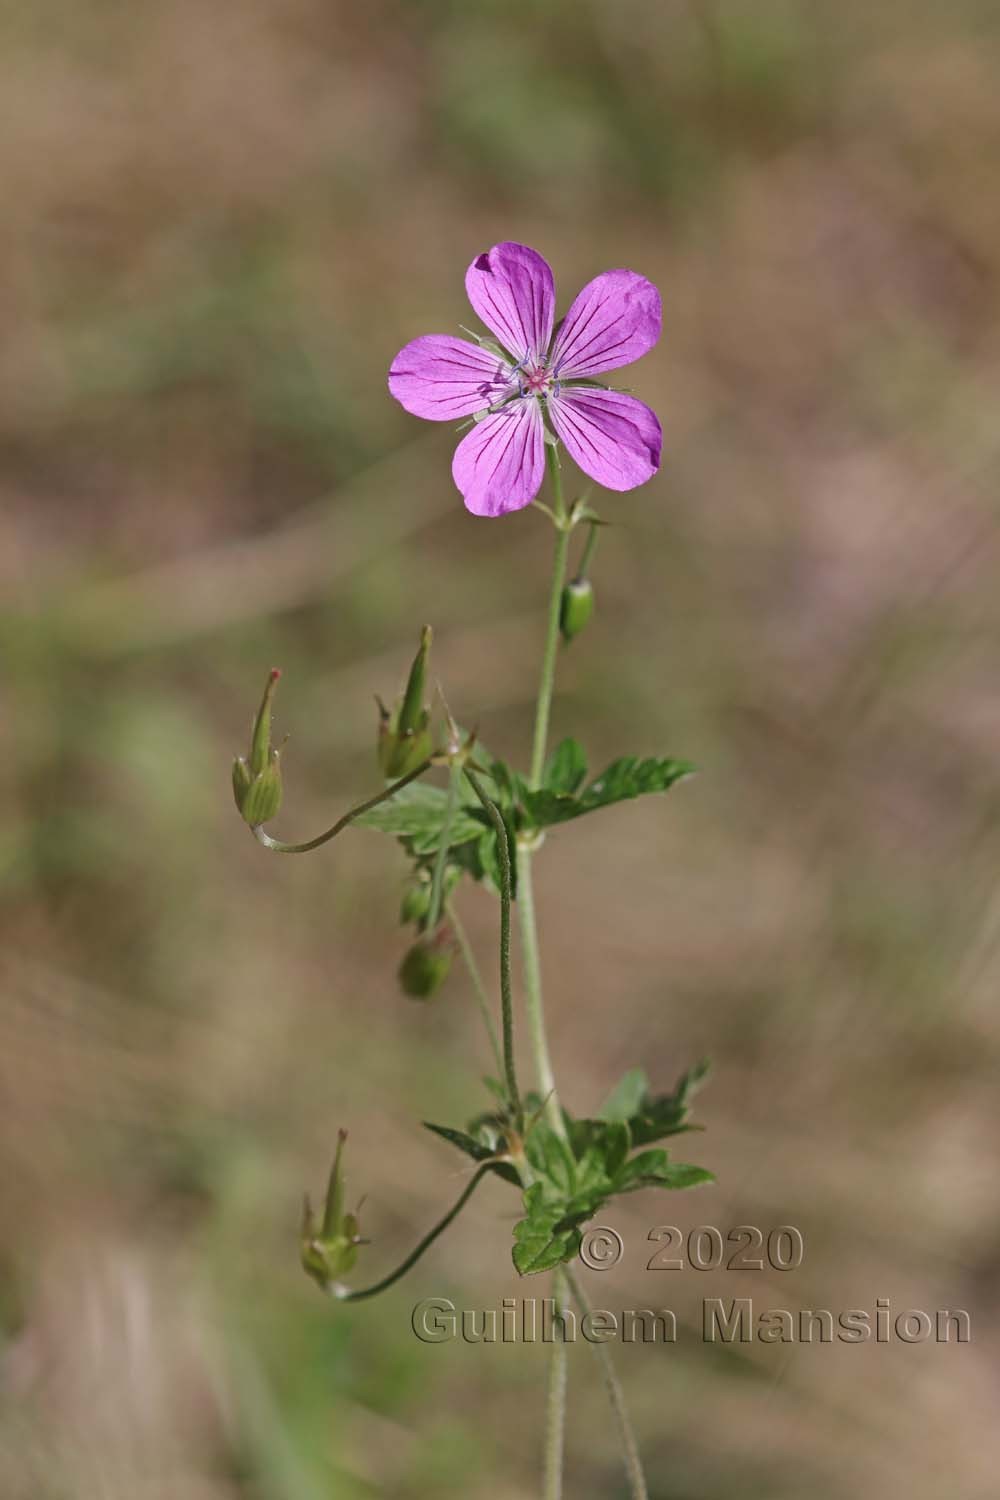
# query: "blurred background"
x,y
220,223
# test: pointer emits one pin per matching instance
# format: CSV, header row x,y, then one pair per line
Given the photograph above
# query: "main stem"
x,y
533,1005
525,890
555,1427
552,634
555,1416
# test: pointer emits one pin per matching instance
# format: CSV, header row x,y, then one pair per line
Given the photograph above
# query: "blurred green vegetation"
x,y
220,224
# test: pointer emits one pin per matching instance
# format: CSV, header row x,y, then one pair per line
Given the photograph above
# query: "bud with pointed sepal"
x,y
575,607
329,1247
404,735
257,777
425,966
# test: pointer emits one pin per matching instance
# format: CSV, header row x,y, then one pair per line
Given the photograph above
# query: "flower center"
x,y
536,380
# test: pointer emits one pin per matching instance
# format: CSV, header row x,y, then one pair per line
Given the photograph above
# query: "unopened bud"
x,y
416,900
415,903
404,735
257,777
575,607
329,1247
425,967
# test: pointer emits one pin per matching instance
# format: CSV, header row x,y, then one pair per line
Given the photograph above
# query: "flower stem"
x,y
279,847
555,1408
465,948
344,1294
552,634
588,550
533,992
525,889
630,1448
441,861
506,988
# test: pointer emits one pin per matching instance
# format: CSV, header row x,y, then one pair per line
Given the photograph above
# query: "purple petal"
x,y
498,466
512,290
442,378
614,320
612,437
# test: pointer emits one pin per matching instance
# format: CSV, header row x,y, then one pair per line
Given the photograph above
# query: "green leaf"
x,y
600,1147
626,1098
488,856
681,1174
509,787
417,814
676,1175
624,779
467,1143
583,1206
667,1114
542,1251
480,858
539,1244
478,1150
646,1164
654,1169
617,1143
565,769
630,777
552,1159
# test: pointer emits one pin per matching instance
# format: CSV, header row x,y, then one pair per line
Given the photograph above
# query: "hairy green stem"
x,y
441,860
279,847
555,1406
588,550
344,1294
506,988
465,948
552,633
630,1448
533,991
525,890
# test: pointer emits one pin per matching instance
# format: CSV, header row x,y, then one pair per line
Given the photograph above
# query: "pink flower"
x,y
513,385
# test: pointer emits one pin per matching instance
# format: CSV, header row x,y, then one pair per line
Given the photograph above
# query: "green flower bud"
x,y
416,900
404,735
425,967
242,780
575,607
257,777
329,1249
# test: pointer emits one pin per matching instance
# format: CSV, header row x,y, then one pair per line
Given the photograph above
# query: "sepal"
x,y
426,964
329,1246
257,777
404,733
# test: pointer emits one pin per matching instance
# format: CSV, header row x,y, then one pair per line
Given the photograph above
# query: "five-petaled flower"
x,y
511,386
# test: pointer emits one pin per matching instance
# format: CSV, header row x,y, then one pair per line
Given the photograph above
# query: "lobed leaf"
x,y
540,1242
552,1160
666,1114
626,1098
478,1150
565,769
675,1175
622,780
417,814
